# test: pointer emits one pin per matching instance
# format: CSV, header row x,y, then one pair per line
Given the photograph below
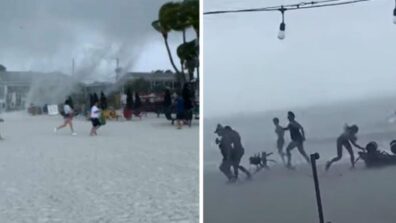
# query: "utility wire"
x,y
298,6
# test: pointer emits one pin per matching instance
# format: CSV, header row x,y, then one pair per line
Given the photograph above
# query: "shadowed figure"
x,y
225,166
373,157
234,151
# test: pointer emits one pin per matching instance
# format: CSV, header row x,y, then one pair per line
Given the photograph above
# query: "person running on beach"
x,y
232,139
180,111
95,115
345,140
280,142
297,136
68,117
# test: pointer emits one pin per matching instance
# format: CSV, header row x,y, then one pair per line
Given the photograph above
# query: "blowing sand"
x,y
284,196
139,171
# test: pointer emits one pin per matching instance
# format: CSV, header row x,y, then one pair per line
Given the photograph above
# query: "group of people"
x,y
297,136
347,139
68,115
232,150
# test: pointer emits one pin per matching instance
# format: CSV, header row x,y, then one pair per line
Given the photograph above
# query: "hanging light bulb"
x,y
281,34
282,27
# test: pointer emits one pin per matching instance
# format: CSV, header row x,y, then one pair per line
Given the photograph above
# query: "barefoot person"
x,y
225,149
280,142
68,117
297,136
95,114
345,140
232,139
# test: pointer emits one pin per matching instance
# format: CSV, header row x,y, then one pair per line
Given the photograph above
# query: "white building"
x,y
18,89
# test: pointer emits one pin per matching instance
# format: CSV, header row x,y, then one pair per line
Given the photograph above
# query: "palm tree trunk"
x,y
184,36
170,54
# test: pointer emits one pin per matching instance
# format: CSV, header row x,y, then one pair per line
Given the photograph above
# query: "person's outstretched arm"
x,y
286,128
356,145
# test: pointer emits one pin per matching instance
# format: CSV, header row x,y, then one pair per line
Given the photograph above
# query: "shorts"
x,y
95,122
68,116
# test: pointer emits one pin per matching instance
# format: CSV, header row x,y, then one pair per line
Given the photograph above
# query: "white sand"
x,y
281,196
139,171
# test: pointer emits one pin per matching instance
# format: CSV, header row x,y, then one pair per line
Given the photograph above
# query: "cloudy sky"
x,y
44,35
329,54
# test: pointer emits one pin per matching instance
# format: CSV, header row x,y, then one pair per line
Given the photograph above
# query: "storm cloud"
x,y
44,35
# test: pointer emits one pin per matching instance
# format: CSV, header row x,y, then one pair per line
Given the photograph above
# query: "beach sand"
x,y
139,171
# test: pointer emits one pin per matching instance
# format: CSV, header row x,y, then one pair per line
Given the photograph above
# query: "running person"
x,y
68,117
297,136
280,142
345,140
95,114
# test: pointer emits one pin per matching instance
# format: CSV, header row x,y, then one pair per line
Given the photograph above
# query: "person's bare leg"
x,y
179,124
92,131
225,168
280,145
352,156
300,148
62,126
243,169
71,125
335,159
289,148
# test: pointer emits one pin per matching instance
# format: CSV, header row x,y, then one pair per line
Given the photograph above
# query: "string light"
x,y
394,14
282,27
298,6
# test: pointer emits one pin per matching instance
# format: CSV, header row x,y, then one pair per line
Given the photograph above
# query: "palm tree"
x,y
179,16
188,53
164,31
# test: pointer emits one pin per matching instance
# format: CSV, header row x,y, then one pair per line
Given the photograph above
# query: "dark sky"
x,y
44,35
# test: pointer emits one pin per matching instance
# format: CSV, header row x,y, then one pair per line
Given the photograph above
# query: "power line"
x,y
291,7
301,5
